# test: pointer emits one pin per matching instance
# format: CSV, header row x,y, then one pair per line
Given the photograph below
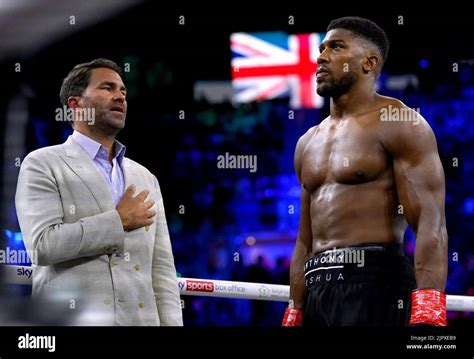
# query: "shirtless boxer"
x,y
366,171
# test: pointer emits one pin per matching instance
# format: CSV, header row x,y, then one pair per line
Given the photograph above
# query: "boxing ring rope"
x,y
231,289
278,293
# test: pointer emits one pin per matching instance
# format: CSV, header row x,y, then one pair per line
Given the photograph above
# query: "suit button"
x,y
107,301
138,267
141,305
113,264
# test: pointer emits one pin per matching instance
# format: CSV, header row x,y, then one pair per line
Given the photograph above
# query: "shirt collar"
x,y
92,147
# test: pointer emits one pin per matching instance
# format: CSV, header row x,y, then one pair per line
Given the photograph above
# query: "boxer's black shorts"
x,y
368,288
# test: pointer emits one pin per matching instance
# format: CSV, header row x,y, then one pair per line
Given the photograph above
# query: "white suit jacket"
x,y
82,257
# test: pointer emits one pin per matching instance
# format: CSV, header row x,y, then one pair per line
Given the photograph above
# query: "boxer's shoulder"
x,y
303,140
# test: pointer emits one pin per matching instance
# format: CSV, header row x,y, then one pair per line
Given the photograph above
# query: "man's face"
x,y
106,93
341,56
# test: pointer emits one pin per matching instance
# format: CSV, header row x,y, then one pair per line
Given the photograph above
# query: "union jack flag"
x,y
274,64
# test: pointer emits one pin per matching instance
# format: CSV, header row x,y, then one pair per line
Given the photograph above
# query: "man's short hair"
x,y
365,28
78,79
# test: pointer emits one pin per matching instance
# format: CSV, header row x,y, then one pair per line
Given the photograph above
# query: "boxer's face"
x,y
106,93
339,63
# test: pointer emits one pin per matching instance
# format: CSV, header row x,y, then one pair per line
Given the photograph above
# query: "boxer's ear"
x,y
370,63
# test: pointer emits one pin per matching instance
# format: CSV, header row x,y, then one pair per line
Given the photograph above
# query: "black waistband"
x,y
358,263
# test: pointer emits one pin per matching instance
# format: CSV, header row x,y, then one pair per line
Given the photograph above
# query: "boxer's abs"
x,y
343,215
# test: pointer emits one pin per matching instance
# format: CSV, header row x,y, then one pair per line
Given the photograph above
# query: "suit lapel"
x,y
81,164
130,176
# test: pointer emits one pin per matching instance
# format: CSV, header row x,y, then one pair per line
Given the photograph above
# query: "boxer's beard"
x,y
335,88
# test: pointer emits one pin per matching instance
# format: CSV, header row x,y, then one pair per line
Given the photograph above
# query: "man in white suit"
x,y
98,250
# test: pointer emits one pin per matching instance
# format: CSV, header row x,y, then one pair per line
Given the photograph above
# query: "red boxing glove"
x,y
293,318
428,306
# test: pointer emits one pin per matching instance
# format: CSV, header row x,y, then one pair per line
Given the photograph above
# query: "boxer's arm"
x,y
294,313
301,254
420,186
303,246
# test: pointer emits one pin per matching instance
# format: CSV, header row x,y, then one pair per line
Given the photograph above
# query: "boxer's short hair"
x,y
364,28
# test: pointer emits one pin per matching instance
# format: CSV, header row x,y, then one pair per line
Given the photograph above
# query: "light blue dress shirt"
x,y
112,173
